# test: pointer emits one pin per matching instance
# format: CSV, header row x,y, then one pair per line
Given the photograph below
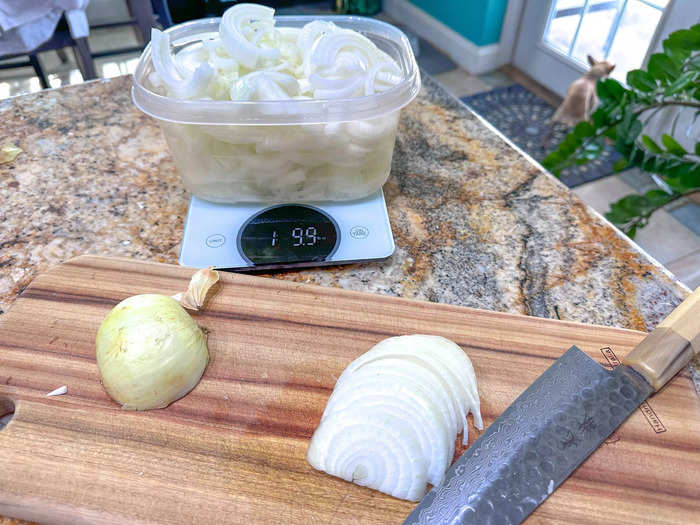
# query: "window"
x,y
617,30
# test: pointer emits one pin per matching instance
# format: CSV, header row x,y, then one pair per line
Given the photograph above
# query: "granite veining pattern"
x,y
475,223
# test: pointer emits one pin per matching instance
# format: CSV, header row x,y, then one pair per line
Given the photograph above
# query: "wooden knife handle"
x,y
671,346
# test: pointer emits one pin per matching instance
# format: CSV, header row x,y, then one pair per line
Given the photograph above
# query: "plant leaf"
x,y
627,134
675,53
672,145
611,133
685,39
651,145
584,129
675,184
619,165
600,116
658,197
552,162
662,68
697,149
681,82
691,180
641,80
570,143
610,89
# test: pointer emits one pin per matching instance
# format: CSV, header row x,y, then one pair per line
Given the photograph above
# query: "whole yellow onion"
x,y
150,352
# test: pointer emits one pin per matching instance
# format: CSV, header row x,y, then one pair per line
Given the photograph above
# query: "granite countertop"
x,y
475,222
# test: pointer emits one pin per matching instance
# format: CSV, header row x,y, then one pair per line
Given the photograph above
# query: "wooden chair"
x,y
143,13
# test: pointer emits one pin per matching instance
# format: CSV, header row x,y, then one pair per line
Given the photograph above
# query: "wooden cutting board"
x,y
234,449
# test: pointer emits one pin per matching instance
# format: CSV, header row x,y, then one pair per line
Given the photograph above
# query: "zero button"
x,y
215,241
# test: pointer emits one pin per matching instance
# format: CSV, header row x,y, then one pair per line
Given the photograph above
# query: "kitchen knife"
x,y
554,425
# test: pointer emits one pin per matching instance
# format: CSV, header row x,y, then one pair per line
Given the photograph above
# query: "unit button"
x,y
359,232
215,241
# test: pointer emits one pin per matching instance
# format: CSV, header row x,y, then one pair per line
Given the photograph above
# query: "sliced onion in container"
x,y
165,66
330,44
308,37
375,74
349,90
241,27
265,85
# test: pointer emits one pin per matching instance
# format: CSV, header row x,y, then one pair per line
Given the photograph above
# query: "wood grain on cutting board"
x,y
233,450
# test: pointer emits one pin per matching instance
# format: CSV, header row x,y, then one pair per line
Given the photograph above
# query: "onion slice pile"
x,y
394,415
323,60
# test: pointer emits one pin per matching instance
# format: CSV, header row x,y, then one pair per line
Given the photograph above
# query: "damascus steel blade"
x,y
535,444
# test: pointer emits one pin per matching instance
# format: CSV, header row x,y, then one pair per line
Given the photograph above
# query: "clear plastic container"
x,y
286,150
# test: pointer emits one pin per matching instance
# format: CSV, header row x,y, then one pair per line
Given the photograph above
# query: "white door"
x,y
555,36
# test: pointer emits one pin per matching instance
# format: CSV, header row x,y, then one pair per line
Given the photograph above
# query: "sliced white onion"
x,y
373,75
330,44
242,26
309,34
368,132
327,62
329,83
451,360
350,89
401,370
188,59
437,442
162,58
164,64
224,63
308,37
416,389
290,34
347,64
265,85
371,448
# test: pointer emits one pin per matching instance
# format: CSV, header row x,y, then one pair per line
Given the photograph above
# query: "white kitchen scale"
x,y
256,236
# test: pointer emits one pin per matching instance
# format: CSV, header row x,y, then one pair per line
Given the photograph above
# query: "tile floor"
x,y
672,236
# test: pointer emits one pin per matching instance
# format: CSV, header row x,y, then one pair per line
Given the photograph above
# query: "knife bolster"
x,y
671,346
660,356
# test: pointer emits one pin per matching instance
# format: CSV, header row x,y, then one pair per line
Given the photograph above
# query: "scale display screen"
x,y
288,233
266,236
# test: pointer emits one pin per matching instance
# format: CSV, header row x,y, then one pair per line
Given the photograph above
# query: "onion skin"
x,y
150,352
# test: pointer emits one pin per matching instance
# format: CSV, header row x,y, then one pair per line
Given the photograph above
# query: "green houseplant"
x,y
672,79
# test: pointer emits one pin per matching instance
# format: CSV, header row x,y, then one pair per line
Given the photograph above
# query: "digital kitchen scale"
x,y
267,236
